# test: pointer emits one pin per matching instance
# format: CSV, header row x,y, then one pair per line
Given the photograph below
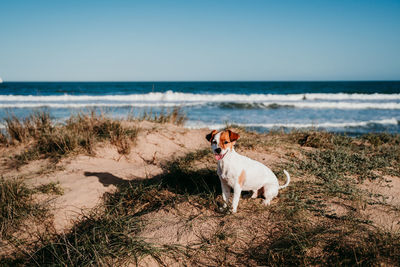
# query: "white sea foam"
x,y
391,121
170,99
89,105
311,105
171,96
339,105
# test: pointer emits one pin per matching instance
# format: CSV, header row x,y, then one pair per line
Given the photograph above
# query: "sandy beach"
x,y
158,200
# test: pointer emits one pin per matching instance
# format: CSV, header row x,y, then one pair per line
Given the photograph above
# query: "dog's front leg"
x,y
226,192
236,196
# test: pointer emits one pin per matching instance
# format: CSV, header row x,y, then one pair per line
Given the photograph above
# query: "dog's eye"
x,y
214,142
226,142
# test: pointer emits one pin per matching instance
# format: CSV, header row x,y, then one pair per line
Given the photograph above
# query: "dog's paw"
x,y
225,211
266,203
224,208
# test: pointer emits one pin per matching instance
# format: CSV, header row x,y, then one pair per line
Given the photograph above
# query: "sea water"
x,y
345,107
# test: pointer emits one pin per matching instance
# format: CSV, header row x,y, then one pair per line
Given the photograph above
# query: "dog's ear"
x,y
233,136
211,135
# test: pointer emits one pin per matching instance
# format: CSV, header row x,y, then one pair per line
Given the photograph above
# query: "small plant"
x,y
30,127
16,130
176,116
50,188
16,205
321,139
122,138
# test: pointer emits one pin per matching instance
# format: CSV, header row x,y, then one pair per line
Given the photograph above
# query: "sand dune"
x,y
192,223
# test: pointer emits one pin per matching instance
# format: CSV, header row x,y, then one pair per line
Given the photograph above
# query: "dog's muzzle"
x,y
217,154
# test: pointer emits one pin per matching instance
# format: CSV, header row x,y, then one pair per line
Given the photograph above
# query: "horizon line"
x,y
177,81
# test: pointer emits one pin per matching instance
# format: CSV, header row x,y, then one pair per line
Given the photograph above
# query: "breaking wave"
x,y
391,121
171,96
229,105
226,101
89,105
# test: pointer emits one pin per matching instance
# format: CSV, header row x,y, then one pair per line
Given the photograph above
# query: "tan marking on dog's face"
x,y
227,139
242,178
233,136
224,141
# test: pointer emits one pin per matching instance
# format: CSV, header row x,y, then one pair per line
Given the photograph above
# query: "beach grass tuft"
x,y
100,238
80,133
175,116
16,205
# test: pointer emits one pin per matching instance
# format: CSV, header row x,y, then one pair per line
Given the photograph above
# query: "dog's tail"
x,y
287,181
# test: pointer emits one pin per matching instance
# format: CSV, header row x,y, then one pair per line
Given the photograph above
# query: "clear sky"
x,y
199,40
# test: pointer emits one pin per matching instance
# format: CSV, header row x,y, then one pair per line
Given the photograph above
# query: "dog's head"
x,y
222,142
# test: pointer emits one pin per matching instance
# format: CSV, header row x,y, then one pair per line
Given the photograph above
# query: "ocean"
x,y
344,107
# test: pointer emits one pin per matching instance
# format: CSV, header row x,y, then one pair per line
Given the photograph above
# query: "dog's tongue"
x,y
218,156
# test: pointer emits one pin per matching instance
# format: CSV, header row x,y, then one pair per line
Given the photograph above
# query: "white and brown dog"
x,y
240,172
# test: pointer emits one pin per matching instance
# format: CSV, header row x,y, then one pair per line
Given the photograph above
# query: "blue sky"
x,y
199,40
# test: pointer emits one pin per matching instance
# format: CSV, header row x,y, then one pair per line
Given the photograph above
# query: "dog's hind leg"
x,y
270,191
258,192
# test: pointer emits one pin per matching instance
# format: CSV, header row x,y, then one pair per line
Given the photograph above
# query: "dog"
x,y
240,172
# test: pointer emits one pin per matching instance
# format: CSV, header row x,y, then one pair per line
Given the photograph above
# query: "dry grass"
x,y
175,116
80,133
21,131
16,205
100,238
